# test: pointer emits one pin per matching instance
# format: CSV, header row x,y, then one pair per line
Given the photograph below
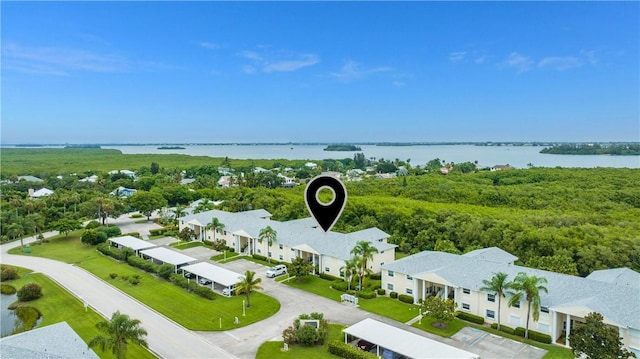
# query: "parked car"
x,y
188,275
228,292
275,271
204,281
365,345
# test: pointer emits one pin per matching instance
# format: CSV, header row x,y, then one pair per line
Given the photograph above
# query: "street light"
x,y
243,308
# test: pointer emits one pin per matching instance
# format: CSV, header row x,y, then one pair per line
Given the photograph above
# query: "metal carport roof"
x,y
168,256
405,343
214,273
132,242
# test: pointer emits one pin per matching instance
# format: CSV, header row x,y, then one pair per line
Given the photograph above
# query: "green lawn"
x,y
174,302
58,305
270,350
316,286
390,308
453,327
185,245
221,257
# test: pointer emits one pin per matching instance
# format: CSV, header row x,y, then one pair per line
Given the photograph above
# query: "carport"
x,y
403,342
131,242
164,255
217,275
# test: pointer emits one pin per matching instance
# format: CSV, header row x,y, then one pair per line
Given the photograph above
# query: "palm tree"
x,y
270,235
247,284
17,229
214,225
350,269
178,212
529,287
203,206
498,284
364,250
120,330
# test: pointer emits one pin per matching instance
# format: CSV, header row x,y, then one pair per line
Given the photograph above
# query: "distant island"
x,y
594,149
343,148
83,146
171,148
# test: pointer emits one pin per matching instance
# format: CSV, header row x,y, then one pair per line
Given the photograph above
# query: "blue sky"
x,y
217,72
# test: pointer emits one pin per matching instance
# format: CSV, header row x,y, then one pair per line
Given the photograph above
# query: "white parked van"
x,y
275,271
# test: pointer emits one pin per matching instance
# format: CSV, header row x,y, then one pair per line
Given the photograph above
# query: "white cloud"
x,y
399,83
208,45
351,71
59,61
590,56
519,62
560,63
277,61
457,56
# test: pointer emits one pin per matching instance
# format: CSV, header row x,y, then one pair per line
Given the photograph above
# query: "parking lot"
x,y
493,346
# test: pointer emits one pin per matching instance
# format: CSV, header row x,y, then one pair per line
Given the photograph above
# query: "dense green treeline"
x,y
632,149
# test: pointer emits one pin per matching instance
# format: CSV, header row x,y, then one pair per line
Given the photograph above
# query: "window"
x,y
341,274
280,257
409,277
491,297
280,246
516,305
259,250
326,269
269,254
292,249
409,291
466,290
491,314
466,306
544,309
390,273
389,286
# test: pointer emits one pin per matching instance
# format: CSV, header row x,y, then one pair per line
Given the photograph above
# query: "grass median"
x,y
187,309
57,305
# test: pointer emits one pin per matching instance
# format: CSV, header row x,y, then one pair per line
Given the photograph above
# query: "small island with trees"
x,y
171,148
618,149
338,147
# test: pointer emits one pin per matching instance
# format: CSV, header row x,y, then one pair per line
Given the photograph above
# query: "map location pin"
x,y
325,214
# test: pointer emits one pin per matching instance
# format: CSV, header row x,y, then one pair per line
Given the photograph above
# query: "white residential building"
x,y
614,293
297,238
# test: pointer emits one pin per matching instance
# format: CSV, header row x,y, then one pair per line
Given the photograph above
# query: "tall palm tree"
x,y
17,229
178,212
120,331
350,269
203,206
364,250
214,225
270,235
248,284
529,287
499,285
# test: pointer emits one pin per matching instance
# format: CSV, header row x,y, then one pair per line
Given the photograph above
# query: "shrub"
x,y
8,273
134,281
156,232
381,291
405,298
259,257
127,252
393,295
113,275
340,285
112,231
165,270
29,292
124,277
136,215
133,234
343,350
533,335
93,237
330,277
109,250
470,318
366,294
205,292
7,289
503,328
92,225
376,276
142,264
179,280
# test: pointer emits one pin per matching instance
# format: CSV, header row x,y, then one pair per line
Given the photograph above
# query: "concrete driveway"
x,y
493,346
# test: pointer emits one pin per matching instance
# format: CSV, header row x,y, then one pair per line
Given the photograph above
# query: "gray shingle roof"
x,y
492,254
616,302
619,276
56,341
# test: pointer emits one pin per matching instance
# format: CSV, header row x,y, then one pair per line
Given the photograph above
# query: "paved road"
x,y
165,338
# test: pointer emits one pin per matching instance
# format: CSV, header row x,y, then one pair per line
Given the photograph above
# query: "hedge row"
x,y
192,286
533,335
346,351
107,249
503,328
163,230
405,298
470,318
145,265
331,278
366,294
393,295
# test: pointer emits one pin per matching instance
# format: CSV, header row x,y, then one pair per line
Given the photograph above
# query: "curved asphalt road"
x,y
165,338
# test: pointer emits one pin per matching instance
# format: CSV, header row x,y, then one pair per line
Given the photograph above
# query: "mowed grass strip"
x,y
57,305
270,350
315,285
187,309
390,308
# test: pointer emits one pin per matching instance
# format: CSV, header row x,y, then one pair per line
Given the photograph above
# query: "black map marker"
x,y
325,214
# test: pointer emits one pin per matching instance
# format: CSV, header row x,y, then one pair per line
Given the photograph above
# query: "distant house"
x,y
444,170
287,182
122,192
186,181
91,179
356,172
311,165
124,172
502,167
225,171
226,181
260,170
42,192
30,179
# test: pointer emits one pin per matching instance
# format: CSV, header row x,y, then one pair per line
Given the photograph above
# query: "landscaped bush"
x,y
503,328
376,276
133,234
405,298
533,335
142,264
7,289
307,335
109,250
165,270
113,275
205,292
156,232
381,291
346,351
134,281
127,252
470,317
179,280
8,273
92,225
259,257
329,277
366,294
393,295
136,215
340,285
111,231
29,292
93,237
124,277
351,291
